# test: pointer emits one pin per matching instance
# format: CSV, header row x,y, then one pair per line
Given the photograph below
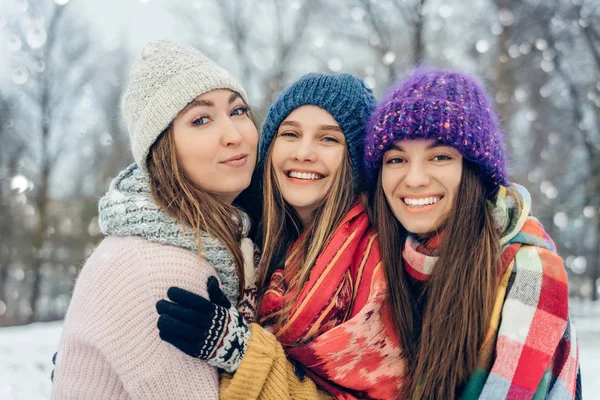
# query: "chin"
x,y
301,204
242,180
418,229
235,187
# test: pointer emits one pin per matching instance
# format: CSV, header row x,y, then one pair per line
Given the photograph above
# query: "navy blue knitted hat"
x,y
344,96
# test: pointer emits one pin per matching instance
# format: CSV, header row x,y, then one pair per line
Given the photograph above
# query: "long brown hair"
x,y
281,226
442,332
192,205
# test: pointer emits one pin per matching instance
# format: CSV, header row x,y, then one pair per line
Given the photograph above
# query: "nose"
x,y
231,136
305,151
416,175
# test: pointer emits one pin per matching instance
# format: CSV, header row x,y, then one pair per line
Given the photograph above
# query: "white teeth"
x,y
421,202
304,175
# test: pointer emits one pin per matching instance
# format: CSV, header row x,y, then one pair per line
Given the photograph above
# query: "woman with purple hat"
x,y
479,295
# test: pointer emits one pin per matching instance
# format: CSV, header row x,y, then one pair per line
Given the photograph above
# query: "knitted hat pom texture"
x,y
446,106
165,79
344,96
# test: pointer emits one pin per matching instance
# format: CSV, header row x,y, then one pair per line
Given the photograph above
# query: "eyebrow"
x,y
207,103
431,146
321,127
234,96
330,128
291,123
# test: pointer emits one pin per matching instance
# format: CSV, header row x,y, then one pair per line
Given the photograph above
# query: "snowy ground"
x,y
26,354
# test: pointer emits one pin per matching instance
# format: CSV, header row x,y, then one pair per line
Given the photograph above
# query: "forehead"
x,y
311,114
421,145
217,94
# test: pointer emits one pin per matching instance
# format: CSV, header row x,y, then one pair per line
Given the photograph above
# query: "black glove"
x,y
211,330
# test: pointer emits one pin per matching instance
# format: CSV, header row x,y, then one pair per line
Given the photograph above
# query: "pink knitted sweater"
x,y
110,348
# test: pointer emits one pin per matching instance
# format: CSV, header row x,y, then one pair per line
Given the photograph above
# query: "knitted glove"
x,y
211,330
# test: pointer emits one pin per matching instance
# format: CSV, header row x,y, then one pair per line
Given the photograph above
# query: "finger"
x,y
180,329
215,293
184,314
189,348
189,299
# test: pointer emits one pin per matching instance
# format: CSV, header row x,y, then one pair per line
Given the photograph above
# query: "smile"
x,y
238,160
311,176
426,201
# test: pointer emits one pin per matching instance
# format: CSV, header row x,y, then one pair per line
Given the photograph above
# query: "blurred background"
x,y
64,65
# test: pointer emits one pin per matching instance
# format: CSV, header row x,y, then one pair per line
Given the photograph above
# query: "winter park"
x,y
381,198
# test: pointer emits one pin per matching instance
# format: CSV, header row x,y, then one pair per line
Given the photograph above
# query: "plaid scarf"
x,y
339,331
530,350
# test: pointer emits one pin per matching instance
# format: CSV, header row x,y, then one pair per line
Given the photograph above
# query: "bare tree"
x,y
10,152
287,26
389,31
51,89
578,102
111,146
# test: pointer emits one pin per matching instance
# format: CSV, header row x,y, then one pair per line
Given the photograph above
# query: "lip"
x,y
239,160
423,196
422,209
298,181
309,171
236,157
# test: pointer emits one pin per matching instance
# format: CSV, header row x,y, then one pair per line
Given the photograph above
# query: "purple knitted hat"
x,y
446,106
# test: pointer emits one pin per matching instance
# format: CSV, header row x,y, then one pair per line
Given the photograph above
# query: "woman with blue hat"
x,y
321,287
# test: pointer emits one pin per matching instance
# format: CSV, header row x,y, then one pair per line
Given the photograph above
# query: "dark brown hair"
x,y
442,329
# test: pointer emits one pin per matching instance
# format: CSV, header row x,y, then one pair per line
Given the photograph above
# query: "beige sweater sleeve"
x,y
110,347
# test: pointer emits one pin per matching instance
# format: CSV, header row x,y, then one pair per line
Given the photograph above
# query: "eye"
x,y
395,160
331,139
442,157
200,121
289,134
240,111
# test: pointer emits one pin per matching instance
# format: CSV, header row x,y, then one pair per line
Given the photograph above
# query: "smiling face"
x,y
215,142
306,156
420,179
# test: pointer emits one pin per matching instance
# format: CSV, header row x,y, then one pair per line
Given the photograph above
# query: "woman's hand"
x,y
210,330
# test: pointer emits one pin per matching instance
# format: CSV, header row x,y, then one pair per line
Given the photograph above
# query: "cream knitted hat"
x,y
166,79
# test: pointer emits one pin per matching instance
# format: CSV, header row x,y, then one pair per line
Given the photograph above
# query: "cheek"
x,y
389,180
332,158
279,154
453,180
249,132
193,148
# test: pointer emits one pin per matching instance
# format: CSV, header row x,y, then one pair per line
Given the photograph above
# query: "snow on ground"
x,y
26,360
26,357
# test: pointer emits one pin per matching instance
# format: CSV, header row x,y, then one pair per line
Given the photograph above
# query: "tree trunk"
x,y
39,240
418,44
595,264
504,81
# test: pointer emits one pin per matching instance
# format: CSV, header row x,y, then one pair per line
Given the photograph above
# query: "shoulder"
x,y
113,310
539,280
135,268
543,263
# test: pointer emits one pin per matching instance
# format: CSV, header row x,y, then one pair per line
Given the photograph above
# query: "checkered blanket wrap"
x,y
530,350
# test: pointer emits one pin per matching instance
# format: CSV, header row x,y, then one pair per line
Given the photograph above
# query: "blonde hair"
x,y
281,227
190,204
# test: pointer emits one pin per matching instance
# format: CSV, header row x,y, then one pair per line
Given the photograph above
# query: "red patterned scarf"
x,y
530,350
339,328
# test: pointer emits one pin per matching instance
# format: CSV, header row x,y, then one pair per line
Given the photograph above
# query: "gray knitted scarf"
x,y
128,209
